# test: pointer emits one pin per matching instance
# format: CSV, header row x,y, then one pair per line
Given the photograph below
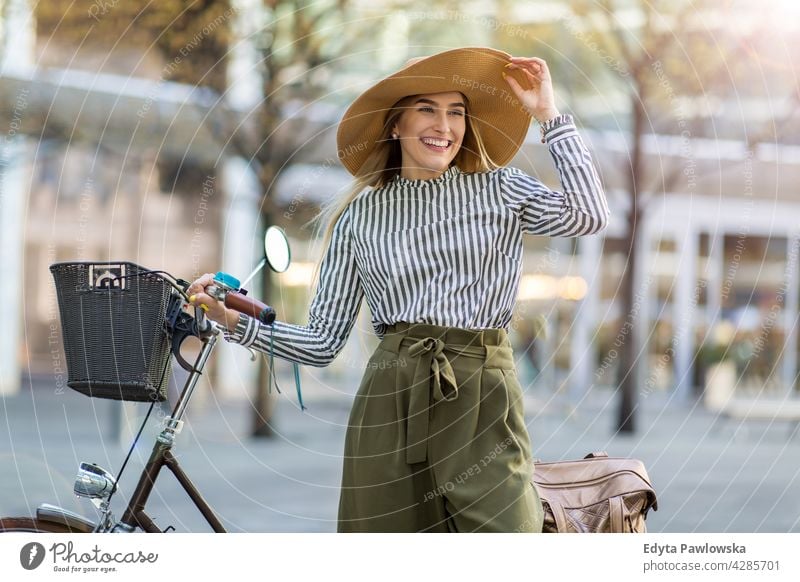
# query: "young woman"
x,y
431,235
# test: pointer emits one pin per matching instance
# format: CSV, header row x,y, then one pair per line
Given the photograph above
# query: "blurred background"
x,y
171,133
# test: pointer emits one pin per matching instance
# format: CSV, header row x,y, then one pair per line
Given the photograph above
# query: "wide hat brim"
x,y
476,72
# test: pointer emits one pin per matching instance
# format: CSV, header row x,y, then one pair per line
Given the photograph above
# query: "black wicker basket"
x,y
112,321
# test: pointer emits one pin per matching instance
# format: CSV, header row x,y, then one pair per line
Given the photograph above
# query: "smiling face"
x,y
430,130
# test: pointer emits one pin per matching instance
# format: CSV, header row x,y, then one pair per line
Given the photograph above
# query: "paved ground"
x,y
722,476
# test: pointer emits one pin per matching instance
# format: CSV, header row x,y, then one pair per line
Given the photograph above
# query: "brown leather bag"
x,y
596,494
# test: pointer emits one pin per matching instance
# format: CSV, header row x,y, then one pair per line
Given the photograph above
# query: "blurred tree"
x,y
188,41
298,41
123,37
165,40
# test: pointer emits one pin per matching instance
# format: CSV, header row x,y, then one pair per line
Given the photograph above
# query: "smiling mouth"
x,y
436,144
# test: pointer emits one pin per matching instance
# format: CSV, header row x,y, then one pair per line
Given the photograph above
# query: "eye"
x,y
456,113
426,109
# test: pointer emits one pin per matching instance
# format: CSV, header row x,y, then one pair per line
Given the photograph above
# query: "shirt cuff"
x,y
245,332
560,127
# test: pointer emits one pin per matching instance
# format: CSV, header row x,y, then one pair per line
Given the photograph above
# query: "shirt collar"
x,y
446,176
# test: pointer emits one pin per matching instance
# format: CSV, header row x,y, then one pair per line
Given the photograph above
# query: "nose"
x,y
441,122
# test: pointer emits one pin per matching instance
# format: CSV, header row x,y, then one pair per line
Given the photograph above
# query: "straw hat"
x,y
476,72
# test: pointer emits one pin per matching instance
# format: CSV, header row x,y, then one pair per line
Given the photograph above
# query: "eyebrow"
x,y
429,102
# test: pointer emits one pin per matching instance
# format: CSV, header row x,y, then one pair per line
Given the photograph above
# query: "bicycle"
x,y
178,321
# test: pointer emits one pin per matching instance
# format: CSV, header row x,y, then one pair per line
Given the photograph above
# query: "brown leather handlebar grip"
x,y
249,306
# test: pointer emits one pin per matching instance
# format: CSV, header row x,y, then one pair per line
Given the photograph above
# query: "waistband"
x,y
451,336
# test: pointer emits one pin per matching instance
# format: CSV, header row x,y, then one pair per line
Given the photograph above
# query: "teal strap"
x,y
272,369
297,385
272,360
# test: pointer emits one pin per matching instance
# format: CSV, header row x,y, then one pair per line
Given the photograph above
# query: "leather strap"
x,y
560,516
616,510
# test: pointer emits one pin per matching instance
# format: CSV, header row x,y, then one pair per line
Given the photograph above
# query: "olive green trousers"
x,y
436,440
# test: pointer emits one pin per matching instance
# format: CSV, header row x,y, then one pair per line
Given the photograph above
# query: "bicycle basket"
x,y
112,322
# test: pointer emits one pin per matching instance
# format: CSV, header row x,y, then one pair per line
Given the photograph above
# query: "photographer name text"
x,y
661,549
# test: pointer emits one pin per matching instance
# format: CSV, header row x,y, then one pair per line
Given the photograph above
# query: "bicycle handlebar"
x,y
249,306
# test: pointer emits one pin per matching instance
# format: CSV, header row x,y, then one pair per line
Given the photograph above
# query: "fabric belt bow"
x,y
433,370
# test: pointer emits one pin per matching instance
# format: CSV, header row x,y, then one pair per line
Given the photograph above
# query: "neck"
x,y
421,173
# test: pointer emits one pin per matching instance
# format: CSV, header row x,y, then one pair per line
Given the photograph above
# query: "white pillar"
x,y
19,35
683,308
244,81
18,50
242,249
241,228
790,314
646,287
582,348
714,276
14,184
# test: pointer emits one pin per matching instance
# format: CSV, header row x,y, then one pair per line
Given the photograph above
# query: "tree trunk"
x,y
626,419
264,405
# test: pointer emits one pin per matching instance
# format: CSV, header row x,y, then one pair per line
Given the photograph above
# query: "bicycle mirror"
x,y
276,249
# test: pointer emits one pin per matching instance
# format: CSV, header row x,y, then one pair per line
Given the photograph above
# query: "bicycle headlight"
x,y
94,482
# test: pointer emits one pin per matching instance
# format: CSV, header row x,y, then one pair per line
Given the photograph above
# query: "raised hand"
x,y
539,99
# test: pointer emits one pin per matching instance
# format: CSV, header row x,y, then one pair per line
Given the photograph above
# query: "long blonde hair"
x,y
385,162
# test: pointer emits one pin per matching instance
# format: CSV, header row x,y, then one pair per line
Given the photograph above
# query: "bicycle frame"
x,y
135,515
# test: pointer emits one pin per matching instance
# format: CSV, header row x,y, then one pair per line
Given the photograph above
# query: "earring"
x,y
394,135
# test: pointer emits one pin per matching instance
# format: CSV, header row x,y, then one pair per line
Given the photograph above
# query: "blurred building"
x,y
107,158
719,248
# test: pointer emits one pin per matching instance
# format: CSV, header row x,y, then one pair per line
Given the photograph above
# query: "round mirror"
x,y
276,249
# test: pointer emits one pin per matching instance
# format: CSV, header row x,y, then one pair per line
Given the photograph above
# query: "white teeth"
x,y
441,143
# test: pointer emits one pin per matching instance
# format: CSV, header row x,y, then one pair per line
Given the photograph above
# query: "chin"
x,y
438,165
439,169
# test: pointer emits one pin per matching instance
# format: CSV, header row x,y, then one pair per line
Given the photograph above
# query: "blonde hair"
x,y
385,162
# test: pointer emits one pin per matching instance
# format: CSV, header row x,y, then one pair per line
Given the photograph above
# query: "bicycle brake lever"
x,y
179,325
178,336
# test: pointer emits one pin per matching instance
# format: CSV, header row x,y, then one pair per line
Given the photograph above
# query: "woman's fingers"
x,y
202,300
514,85
212,308
525,96
534,79
529,59
198,297
533,64
200,284
535,76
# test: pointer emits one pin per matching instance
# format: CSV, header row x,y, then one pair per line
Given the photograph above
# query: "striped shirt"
x,y
445,251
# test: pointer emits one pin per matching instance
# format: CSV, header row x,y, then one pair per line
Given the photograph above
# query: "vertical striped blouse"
x,y
446,251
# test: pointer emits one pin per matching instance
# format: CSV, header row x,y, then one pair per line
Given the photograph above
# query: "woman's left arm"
x,y
581,207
